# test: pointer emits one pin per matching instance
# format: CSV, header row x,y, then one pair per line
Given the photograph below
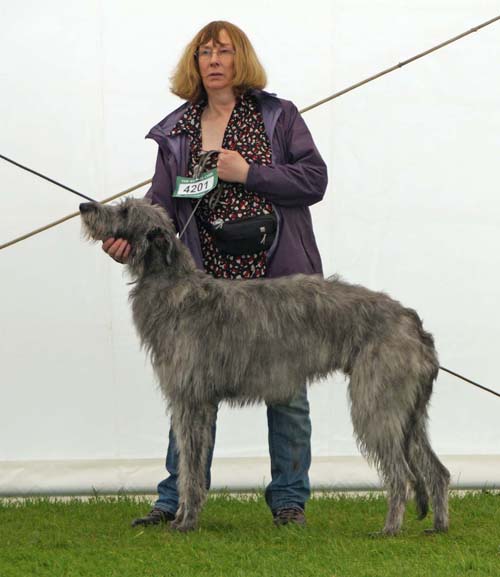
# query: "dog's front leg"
x,y
192,428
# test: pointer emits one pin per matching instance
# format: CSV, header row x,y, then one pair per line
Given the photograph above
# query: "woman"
x,y
269,171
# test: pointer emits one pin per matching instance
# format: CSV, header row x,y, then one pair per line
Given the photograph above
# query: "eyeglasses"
x,y
207,53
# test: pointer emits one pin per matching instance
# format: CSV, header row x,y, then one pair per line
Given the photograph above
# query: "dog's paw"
x,y
183,523
182,526
385,532
436,531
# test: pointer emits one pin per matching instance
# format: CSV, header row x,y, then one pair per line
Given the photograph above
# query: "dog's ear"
x,y
159,241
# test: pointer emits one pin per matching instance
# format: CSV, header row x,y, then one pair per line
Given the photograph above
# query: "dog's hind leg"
x,y
397,476
192,428
436,475
379,417
382,443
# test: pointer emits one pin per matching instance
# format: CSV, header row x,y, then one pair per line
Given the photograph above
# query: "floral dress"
x,y
245,132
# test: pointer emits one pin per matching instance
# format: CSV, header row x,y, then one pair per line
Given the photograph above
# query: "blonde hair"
x,y
249,73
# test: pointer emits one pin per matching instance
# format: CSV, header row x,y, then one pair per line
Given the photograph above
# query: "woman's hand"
x,y
231,166
117,248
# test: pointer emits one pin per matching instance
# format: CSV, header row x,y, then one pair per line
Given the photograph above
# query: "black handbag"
x,y
244,236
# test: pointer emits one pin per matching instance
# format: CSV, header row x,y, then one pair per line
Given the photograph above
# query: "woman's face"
x,y
216,63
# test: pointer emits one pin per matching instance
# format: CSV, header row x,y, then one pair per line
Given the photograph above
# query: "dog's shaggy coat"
x,y
251,341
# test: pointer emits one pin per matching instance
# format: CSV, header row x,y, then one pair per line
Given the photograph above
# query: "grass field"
x,y
236,538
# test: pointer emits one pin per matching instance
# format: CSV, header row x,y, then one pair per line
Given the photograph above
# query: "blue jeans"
x,y
289,448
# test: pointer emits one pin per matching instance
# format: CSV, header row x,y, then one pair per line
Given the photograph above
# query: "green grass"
x,y
236,538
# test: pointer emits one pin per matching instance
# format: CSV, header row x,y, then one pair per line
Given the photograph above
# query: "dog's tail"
x,y
419,485
414,460
430,354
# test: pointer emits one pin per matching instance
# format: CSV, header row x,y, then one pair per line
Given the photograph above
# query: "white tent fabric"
x,y
412,209
85,477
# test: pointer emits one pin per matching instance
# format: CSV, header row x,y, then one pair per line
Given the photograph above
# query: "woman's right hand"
x,y
117,248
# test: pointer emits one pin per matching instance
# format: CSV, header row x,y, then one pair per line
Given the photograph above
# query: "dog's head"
x,y
145,226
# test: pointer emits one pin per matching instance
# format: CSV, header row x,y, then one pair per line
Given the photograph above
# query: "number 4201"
x,y
195,187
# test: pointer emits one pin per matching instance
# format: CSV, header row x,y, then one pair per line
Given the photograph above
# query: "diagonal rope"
x,y
46,178
400,64
307,108
469,381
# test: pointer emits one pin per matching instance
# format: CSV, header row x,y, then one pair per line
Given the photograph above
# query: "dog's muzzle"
x,y
87,207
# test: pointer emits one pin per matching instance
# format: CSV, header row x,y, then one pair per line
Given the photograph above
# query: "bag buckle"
x,y
264,235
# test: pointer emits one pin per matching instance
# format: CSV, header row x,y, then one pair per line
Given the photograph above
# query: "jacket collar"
x,y
160,131
269,104
271,109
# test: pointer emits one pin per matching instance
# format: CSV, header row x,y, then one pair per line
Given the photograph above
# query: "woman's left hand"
x,y
231,166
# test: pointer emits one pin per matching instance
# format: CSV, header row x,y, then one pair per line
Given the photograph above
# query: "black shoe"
x,y
154,517
294,515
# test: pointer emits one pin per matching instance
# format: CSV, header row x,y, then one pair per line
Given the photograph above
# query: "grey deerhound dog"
x,y
255,341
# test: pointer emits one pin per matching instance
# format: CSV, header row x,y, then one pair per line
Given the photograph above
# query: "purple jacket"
x,y
296,179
